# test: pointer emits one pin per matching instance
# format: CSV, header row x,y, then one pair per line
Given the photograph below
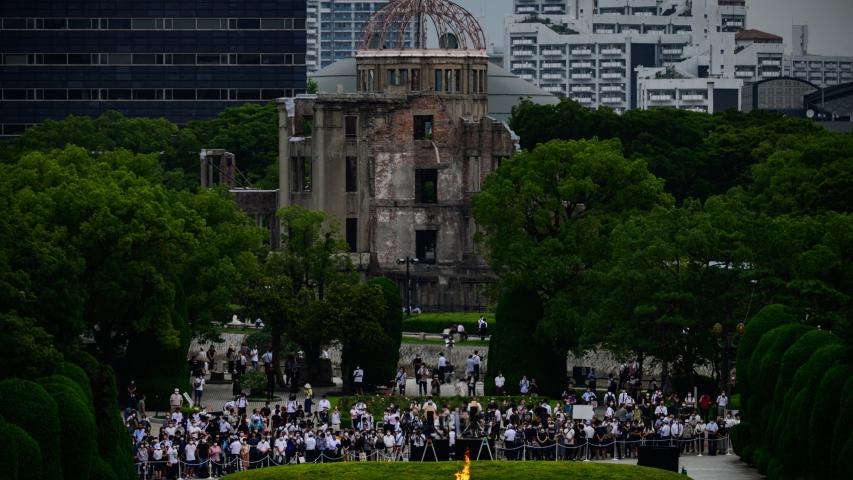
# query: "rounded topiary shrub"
x,y
826,412
765,320
741,436
74,372
29,459
9,450
796,355
765,372
762,460
101,470
77,426
774,469
842,430
27,405
748,454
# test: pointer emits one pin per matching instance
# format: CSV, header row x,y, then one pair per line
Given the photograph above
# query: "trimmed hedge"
x,y
114,444
27,457
515,351
77,426
826,411
74,372
764,368
765,320
27,405
102,470
9,447
796,383
842,434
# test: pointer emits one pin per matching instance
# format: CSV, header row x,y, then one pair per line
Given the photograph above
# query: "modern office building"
x,y
335,28
182,60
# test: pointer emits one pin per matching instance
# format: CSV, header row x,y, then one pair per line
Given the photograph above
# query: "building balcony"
x,y
581,88
801,74
612,88
672,51
553,76
526,76
611,51
612,76
523,41
584,100
526,9
744,74
770,63
693,98
553,89
554,9
559,66
660,98
581,76
524,66
845,66
582,65
552,53
612,65
770,74
733,23
605,31
582,51
523,53
696,109
612,100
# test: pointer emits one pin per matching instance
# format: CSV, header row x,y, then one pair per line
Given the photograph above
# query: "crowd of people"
x,y
211,443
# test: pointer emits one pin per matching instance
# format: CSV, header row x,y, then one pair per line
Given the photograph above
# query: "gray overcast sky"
x,y
829,21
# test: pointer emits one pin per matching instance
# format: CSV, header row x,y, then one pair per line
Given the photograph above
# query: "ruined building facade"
x,y
398,162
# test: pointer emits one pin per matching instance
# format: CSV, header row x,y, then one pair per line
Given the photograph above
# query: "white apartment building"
x,y
589,50
334,29
707,95
823,71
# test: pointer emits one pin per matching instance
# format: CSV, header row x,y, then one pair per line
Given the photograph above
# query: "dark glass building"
x,y
182,60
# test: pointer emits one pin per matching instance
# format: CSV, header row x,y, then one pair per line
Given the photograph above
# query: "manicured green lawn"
x,y
439,341
436,322
446,470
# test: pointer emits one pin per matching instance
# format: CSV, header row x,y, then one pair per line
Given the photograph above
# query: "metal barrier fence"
x,y
615,449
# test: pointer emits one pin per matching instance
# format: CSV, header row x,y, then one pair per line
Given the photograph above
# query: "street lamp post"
x,y
408,261
727,341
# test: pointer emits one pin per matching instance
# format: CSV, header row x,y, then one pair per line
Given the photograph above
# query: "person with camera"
x,y
422,377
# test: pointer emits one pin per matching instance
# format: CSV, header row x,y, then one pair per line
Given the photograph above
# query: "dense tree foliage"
x,y
249,131
698,155
761,216
308,291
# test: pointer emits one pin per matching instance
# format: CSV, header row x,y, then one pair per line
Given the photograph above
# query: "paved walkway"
x,y
720,467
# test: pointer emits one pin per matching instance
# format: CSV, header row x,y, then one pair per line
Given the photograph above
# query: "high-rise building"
x,y
182,60
335,28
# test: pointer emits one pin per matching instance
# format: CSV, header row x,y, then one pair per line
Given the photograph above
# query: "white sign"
x,y
189,399
583,412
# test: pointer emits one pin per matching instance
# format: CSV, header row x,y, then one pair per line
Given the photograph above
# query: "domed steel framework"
x,y
404,24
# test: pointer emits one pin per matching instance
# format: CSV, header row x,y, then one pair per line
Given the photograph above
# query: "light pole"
x,y
408,261
727,341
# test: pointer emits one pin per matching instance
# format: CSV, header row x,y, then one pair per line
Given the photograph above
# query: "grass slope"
x,y
437,321
446,470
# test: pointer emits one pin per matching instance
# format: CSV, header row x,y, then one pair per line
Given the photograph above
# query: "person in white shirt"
x,y
324,404
442,367
500,381
198,389
358,380
263,451
477,361
280,449
189,455
254,354
722,403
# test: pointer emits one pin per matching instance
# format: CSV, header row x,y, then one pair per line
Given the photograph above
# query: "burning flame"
x,y
465,474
